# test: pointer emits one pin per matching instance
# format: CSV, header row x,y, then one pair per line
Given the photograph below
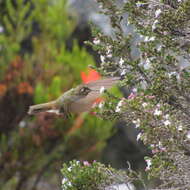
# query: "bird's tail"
x,y
41,107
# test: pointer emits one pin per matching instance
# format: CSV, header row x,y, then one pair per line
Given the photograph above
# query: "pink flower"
x,y
154,151
132,95
150,97
86,163
162,149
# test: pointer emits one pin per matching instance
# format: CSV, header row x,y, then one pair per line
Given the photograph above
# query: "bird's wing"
x,y
85,103
95,86
106,83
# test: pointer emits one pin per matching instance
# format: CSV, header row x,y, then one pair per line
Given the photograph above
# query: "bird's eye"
x,y
84,90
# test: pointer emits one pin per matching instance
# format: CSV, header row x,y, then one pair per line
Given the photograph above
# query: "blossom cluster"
x,y
159,108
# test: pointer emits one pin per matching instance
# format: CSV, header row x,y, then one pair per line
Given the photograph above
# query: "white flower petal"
x,y
149,164
188,135
96,41
102,58
157,12
69,169
154,25
124,71
167,122
147,64
157,112
144,104
101,105
139,136
102,89
180,128
148,39
64,180
119,105
121,61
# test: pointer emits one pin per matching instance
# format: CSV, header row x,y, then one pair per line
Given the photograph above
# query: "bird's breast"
x,y
78,107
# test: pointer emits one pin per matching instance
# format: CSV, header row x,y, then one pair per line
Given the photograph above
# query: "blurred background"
x,y
42,54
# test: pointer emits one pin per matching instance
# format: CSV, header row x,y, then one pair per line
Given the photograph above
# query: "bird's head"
x,y
82,90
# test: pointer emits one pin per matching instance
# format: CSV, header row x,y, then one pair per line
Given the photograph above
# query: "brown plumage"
x,y
76,100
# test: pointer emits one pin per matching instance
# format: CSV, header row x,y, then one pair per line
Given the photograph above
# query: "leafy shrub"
x,y
83,175
36,66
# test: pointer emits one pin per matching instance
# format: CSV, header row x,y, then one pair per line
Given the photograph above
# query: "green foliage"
x,y
58,23
83,175
157,76
64,63
17,26
36,67
37,94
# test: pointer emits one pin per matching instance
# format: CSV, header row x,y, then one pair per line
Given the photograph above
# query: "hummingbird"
x,y
76,100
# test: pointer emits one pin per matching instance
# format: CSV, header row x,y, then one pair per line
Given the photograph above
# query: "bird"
x,y
76,100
